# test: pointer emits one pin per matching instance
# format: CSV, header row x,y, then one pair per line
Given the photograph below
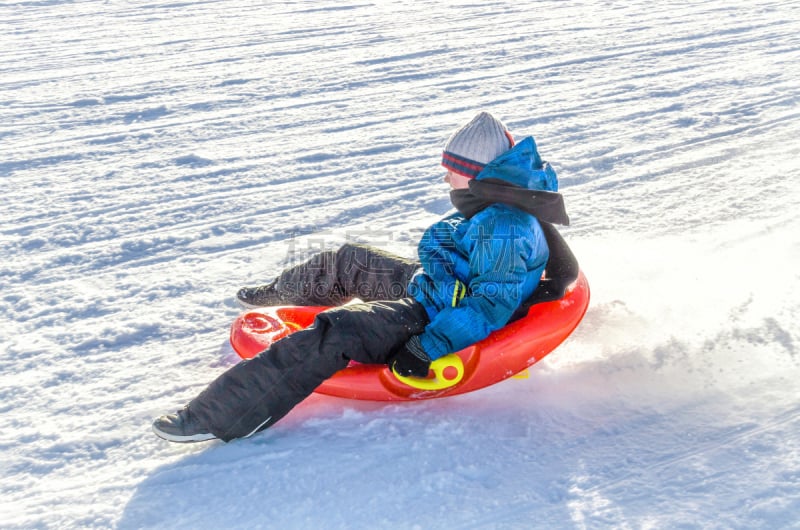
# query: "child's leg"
x,y
333,278
256,393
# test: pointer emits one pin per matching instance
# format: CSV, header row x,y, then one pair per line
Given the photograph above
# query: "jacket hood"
x,y
517,178
523,167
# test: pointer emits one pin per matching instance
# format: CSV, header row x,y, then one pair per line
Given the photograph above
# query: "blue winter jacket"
x,y
478,270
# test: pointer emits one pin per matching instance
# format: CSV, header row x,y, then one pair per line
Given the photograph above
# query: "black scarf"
x,y
546,206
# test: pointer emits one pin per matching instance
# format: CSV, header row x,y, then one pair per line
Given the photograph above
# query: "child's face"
x,y
456,181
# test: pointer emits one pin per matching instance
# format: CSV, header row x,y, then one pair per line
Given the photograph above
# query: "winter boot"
x,y
181,426
261,296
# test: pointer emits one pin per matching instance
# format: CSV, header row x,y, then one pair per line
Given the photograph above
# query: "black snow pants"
x,y
334,277
256,393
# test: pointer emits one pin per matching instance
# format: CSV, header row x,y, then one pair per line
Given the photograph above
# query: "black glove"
x,y
411,359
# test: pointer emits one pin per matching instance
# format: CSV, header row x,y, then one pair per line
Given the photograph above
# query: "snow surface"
x,y
156,156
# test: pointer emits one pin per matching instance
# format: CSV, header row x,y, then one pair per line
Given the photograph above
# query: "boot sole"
x,y
191,438
248,305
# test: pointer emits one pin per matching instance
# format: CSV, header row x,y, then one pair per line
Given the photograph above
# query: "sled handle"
x,y
448,371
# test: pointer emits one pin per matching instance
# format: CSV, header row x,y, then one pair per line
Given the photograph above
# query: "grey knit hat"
x,y
476,144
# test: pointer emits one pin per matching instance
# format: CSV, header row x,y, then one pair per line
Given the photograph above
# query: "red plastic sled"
x,y
502,354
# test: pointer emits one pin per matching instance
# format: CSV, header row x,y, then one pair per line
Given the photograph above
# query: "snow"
x,y
156,156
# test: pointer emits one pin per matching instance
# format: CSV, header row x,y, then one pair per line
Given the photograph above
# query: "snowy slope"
x,y
156,156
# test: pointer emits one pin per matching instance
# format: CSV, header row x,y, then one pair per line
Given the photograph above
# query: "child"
x,y
476,268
